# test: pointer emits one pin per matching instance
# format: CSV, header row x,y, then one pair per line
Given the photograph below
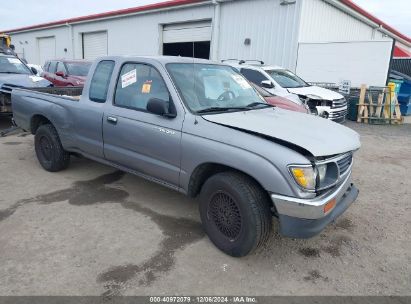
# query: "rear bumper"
x,y
300,218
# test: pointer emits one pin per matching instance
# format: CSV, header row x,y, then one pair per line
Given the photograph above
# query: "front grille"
x,y
344,163
339,103
338,115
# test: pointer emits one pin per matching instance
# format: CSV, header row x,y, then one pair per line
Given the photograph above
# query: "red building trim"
x,y
363,12
401,53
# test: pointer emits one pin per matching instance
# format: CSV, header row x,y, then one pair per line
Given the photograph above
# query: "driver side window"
x,y
137,84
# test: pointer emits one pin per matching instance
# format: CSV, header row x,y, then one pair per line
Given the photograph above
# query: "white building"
x,y
322,40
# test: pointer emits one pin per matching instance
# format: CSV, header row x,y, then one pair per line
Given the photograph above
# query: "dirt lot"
x,y
92,230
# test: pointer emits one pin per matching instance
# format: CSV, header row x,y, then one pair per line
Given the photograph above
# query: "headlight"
x,y
327,175
326,103
304,176
322,170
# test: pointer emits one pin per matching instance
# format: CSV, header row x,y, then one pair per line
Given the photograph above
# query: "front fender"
x,y
216,144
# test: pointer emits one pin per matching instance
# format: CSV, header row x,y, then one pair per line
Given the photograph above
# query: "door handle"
x,y
112,119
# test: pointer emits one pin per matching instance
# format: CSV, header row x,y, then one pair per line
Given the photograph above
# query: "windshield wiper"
x,y
8,72
256,104
220,109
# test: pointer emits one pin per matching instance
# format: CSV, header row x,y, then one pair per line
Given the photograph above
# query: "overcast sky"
x,y
19,13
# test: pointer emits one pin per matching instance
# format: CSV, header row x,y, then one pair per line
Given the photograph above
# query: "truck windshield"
x,y
287,79
13,65
78,68
207,88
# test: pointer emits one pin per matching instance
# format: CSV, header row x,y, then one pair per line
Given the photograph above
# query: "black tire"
x,y
235,213
49,150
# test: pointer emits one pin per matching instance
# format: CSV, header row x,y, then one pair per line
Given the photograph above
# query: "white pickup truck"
x,y
284,83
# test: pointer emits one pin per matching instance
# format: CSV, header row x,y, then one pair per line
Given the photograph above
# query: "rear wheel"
x,y
49,150
235,213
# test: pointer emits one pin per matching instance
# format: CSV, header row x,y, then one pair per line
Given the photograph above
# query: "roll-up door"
x,y
187,32
94,45
191,39
47,49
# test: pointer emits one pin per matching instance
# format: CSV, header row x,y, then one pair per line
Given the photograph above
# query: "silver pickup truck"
x,y
199,127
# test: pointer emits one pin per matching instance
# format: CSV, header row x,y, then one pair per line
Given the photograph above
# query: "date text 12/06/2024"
x,y
202,299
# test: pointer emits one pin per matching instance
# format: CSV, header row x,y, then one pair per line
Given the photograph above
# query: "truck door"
x,y
135,138
90,111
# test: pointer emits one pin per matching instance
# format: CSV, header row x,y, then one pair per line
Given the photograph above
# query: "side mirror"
x,y
34,70
159,107
267,84
61,74
12,47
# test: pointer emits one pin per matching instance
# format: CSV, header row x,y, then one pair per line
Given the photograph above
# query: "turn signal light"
x,y
330,205
304,176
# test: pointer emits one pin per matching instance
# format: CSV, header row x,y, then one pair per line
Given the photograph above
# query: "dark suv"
x,y
63,73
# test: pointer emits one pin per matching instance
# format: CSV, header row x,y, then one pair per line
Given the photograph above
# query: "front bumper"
x,y
304,218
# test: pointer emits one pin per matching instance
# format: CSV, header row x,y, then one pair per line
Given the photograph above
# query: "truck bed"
x,y
62,91
5,94
55,103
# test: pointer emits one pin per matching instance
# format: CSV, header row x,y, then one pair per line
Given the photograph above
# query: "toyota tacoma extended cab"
x,y
200,128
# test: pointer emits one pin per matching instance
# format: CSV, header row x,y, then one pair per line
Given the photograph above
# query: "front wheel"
x,y
235,213
49,150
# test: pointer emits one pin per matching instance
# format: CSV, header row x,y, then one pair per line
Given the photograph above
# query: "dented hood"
x,y
319,136
316,93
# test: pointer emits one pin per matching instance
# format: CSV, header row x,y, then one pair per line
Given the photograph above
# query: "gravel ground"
x,y
91,230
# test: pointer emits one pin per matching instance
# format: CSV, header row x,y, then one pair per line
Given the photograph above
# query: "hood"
x,y
23,80
316,91
319,136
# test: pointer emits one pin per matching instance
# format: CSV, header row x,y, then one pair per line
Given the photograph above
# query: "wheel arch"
x,y
36,121
205,170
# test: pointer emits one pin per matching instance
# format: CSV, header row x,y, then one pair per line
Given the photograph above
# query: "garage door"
x,y
187,32
46,49
362,62
191,39
94,45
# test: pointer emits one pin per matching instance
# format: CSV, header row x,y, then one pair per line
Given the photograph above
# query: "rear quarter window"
x,y
101,81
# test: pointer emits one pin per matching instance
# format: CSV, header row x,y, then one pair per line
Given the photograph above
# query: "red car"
x,y
63,73
280,102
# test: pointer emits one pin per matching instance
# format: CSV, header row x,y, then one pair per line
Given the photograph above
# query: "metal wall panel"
x,y
27,44
271,27
139,34
322,22
402,66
